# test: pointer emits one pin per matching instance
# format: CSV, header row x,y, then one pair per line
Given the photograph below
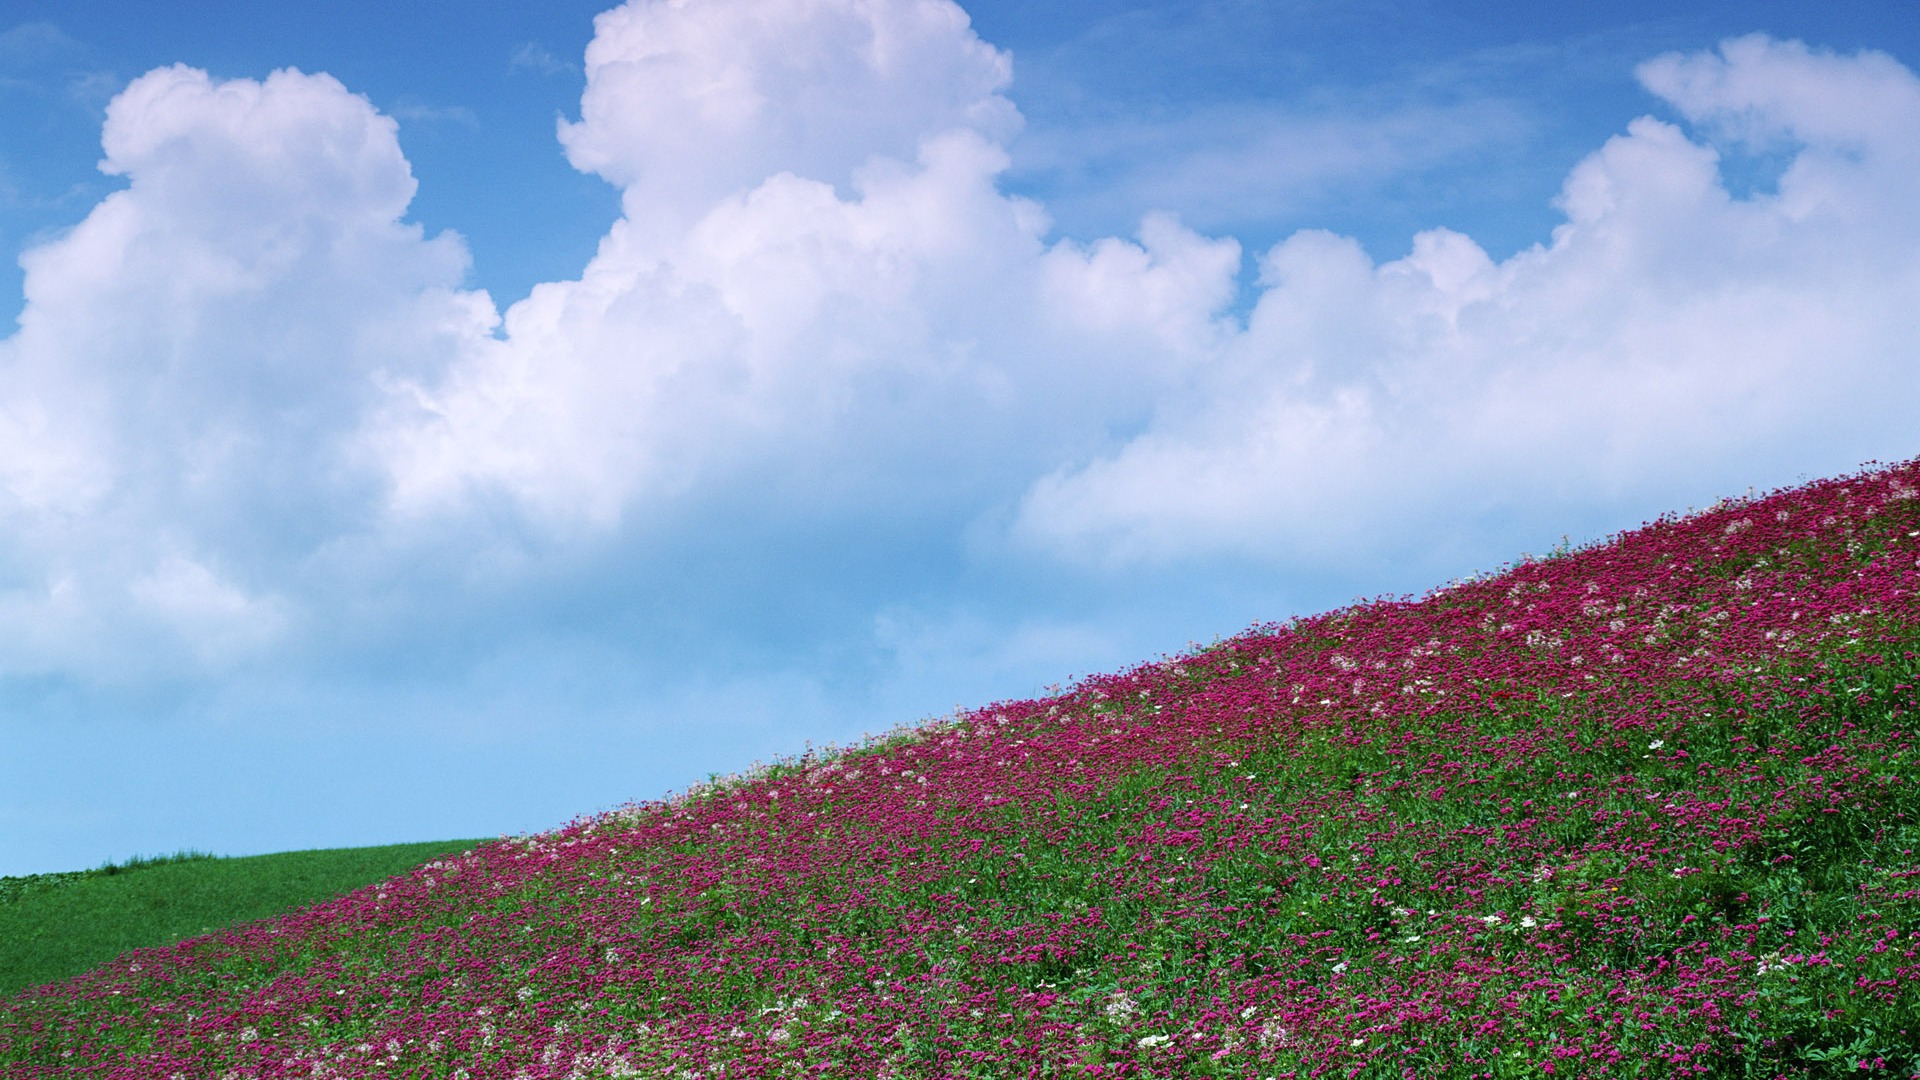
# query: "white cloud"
x,y
35,45
533,56
817,290
1669,332
174,409
425,114
217,620
249,407
690,103
1228,164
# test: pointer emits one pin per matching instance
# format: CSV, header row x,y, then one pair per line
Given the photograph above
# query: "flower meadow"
x,y
1645,808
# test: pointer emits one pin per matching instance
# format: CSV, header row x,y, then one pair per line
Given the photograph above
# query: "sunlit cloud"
x,y
248,399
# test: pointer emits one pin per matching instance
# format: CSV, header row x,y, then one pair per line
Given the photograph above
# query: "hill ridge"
x,y
1646,807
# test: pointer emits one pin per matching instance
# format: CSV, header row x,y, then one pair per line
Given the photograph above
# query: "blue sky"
x,y
434,420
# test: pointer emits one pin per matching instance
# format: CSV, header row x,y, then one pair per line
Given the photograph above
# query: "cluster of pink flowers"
x,y
1636,809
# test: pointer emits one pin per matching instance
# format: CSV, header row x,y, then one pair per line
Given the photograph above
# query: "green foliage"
x,y
55,926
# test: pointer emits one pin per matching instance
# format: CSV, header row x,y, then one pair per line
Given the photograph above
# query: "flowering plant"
x,y
1643,808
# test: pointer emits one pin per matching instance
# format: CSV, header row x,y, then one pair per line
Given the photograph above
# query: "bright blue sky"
x,y
887,362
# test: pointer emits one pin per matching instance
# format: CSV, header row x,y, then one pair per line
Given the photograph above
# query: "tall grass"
x,y
1648,808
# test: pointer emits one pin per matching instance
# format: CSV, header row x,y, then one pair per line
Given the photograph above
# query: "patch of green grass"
x,y
56,926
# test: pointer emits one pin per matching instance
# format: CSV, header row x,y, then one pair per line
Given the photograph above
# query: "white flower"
x,y
1339,967
1656,744
1152,1041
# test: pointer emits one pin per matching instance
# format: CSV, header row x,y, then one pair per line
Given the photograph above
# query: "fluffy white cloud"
x,y
1669,332
690,103
816,287
248,403
176,405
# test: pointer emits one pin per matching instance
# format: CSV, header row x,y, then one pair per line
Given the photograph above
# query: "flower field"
x,y
1649,808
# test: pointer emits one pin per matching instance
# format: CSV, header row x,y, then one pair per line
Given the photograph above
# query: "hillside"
x,y
56,926
1646,808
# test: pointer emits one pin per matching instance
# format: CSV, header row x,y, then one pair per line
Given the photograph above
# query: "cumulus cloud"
x,y
690,103
248,400
189,359
1668,332
816,285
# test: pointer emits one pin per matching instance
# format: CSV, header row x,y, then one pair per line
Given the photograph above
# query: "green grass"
x,y
56,926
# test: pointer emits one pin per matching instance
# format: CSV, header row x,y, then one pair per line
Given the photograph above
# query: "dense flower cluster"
x,y
1646,808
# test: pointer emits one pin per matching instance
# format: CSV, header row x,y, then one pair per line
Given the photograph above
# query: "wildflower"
x,y
1152,1041
1339,967
1656,744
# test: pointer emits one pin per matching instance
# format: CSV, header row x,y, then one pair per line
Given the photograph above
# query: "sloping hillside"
x,y
1647,808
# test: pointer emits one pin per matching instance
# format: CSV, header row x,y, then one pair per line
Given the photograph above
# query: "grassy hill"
x,y
1647,808
55,926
